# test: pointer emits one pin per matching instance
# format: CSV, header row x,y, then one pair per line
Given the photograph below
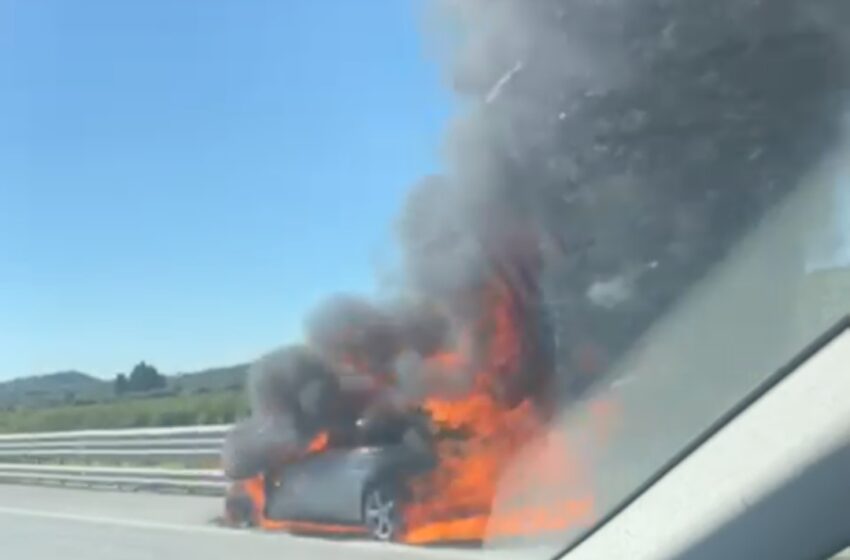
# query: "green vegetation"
x,y
144,377
220,407
72,400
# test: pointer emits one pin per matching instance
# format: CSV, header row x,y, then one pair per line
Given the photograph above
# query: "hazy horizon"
x,y
178,179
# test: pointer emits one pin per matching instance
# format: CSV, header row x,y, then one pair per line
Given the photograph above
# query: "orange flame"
x,y
454,502
319,443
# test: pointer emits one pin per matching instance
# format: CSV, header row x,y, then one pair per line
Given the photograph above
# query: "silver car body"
x,y
328,487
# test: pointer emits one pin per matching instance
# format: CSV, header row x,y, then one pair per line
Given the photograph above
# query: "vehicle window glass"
x,y
466,273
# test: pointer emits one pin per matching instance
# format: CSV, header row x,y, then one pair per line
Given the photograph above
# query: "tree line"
x,y
143,378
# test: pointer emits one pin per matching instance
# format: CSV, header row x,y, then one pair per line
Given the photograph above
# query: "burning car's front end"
x,y
358,487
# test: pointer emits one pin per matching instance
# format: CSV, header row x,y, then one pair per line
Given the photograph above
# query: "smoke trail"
x,y
635,138
609,152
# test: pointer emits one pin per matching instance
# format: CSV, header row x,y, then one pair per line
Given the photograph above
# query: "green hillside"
x,y
72,400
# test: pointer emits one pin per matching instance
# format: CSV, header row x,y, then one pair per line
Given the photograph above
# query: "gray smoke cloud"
x,y
370,337
636,138
608,152
295,394
348,328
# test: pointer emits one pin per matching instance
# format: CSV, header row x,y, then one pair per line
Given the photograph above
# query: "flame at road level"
x,y
454,502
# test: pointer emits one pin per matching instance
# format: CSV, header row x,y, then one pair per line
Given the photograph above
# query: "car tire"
x,y
382,512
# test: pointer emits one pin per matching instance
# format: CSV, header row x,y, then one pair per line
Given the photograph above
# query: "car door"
x,y
323,487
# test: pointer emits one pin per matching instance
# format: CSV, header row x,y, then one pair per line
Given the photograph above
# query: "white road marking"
x,y
132,523
399,551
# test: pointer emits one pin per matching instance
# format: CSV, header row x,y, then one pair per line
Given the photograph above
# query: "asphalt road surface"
x,y
44,523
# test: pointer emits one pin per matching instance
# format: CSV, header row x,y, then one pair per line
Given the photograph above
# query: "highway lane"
x,y
43,523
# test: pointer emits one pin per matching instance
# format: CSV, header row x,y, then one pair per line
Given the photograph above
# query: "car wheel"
x,y
382,512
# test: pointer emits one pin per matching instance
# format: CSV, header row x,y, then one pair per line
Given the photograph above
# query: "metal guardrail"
x,y
123,459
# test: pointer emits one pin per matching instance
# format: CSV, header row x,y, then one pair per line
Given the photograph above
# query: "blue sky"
x,y
181,181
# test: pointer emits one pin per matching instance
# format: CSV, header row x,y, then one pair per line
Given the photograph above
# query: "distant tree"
x,y
145,377
120,384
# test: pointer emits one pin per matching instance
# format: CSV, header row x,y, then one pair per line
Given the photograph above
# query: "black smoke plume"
x,y
608,152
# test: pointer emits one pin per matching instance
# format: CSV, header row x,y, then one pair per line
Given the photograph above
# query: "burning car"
x,y
342,487
392,422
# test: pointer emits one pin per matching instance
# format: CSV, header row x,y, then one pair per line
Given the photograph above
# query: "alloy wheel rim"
x,y
379,512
